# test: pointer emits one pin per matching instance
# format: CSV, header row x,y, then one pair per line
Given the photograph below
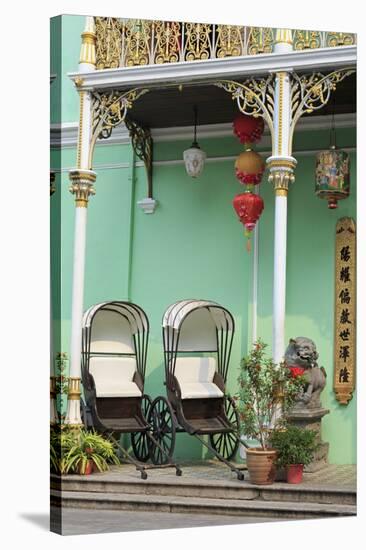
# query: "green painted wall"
x,y
193,246
65,31
310,288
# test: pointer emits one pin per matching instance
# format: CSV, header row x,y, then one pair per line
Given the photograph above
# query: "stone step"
x,y
216,489
195,505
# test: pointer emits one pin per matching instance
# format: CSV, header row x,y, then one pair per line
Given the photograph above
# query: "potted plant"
x,y
80,451
295,449
266,392
89,452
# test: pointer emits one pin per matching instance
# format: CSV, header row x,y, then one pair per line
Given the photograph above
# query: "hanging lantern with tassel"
x,y
249,167
248,207
332,174
248,129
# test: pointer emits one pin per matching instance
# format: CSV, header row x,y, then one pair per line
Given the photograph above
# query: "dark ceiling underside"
x,y
164,108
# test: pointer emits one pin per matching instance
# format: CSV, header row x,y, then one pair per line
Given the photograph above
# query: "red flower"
x,y
296,371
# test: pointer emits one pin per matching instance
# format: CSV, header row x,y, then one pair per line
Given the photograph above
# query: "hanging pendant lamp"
x,y
332,174
194,157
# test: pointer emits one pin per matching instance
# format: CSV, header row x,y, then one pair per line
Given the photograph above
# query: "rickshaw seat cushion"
x,y
113,376
195,376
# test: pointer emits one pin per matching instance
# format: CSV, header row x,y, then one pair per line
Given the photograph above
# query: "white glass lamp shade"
x,y
194,159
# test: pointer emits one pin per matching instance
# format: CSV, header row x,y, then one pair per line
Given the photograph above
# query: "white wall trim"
x,y
216,69
65,135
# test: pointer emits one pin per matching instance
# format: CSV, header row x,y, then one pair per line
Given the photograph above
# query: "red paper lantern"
x,y
248,128
249,167
249,207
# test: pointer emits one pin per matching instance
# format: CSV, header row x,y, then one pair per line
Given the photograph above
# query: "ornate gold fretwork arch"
x,y
109,110
256,97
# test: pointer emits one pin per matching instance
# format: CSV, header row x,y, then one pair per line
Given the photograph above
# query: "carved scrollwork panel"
x,y
305,40
136,42
142,144
108,32
197,41
167,38
255,97
311,92
229,41
109,110
260,40
334,39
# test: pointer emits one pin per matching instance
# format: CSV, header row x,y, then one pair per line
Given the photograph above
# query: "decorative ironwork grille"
x,y
134,42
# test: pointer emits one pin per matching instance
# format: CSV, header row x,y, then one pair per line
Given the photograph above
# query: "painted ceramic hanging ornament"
x,y
332,181
248,207
248,129
249,167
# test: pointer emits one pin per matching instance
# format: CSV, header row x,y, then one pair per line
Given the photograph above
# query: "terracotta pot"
x,y
89,468
294,473
261,466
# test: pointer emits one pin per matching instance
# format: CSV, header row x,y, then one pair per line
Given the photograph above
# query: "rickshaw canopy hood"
x,y
135,316
178,312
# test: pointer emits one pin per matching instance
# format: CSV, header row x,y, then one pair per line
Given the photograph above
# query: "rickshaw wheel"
x,y
162,425
227,444
139,440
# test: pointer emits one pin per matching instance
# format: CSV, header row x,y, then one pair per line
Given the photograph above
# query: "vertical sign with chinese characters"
x,y
345,311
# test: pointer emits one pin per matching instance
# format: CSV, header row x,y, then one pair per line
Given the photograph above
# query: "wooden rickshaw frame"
x,y
134,411
225,423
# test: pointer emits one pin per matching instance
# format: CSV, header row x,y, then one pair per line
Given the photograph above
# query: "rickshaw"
x,y
197,339
114,351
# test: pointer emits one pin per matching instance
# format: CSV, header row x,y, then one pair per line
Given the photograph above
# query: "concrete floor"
x,y
80,522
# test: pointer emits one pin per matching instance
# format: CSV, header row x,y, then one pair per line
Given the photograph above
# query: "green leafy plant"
x,y
61,441
264,388
71,451
294,445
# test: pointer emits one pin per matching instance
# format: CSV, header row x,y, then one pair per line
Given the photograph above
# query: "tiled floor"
x,y
330,476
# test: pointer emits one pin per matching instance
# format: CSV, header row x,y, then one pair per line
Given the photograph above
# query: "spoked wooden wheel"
x,y
227,444
162,425
139,439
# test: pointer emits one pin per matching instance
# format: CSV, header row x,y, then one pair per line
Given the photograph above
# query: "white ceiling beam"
x,y
195,72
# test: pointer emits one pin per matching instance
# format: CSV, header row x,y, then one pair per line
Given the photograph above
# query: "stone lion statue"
x,y
301,353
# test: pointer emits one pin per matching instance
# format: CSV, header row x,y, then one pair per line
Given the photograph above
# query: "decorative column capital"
x,y
74,389
281,173
82,185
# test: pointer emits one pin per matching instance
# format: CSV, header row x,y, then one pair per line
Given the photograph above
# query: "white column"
x,y
82,179
281,165
279,278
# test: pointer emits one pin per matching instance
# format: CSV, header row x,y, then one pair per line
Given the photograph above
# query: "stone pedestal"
x,y
310,419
